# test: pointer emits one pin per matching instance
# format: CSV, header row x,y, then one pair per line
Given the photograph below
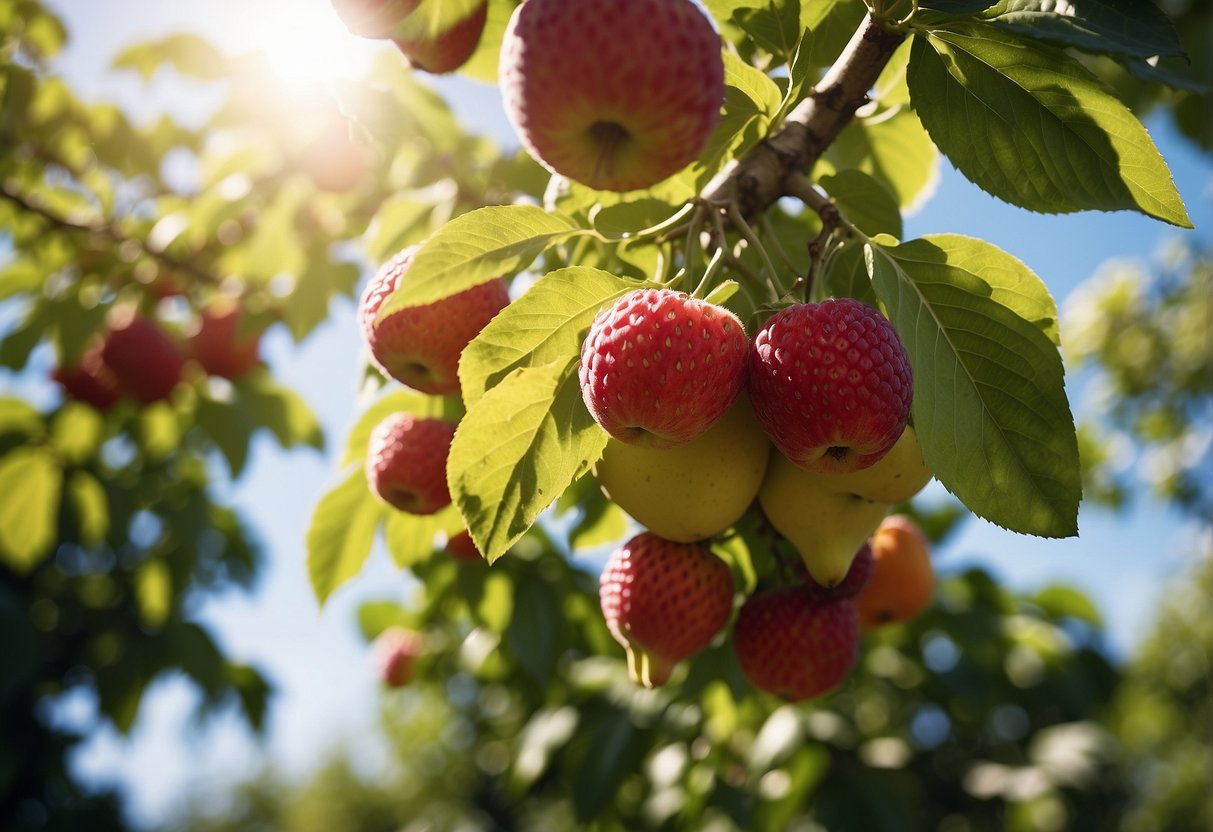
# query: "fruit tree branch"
x,y
759,178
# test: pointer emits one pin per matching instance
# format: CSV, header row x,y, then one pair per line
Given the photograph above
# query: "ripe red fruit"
x,y
831,384
373,18
218,346
616,95
446,51
420,346
663,601
145,361
406,462
659,368
461,547
793,646
90,380
857,577
394,653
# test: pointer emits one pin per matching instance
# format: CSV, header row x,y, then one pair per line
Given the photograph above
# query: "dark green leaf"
x,y
1125,27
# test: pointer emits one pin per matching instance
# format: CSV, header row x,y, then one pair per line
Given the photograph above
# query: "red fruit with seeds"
x,y
90,380
793,646
406,462
461,547
144,360
663,601
420,345
856,579
616,95
218,345
831,384
394,653
659,367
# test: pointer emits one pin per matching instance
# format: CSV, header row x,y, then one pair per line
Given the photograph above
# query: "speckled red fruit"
x,y
145,361
663,601
857,577
447,51
616,95
89,381
218,345
394,653
406,462
831,384
793,646
461,547
420,346
658,368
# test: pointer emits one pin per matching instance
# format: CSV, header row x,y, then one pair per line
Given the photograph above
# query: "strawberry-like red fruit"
x,y
420,345
663,601
90,380
218,345
394,653
406,462
659,367
793,646
831,384
144,360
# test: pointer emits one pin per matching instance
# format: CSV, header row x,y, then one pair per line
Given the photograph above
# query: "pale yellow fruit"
x,y
826,526
694,491
896,477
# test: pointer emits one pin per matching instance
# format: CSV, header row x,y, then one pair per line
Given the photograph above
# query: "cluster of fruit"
x,y
693,408
136,357
426,40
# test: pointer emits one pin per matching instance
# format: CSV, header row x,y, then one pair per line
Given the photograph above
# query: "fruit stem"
x,y
759,290
750,237
768,229
706,283
693,250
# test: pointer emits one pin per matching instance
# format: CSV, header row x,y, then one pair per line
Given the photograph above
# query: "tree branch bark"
x,y
758,179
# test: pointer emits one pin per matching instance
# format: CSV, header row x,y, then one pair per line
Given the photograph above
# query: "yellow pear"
x,y
826,526
894,478
694,491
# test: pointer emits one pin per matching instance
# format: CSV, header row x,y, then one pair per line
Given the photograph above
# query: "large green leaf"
x,y
341,533
31,482
894,148
476,247
519,446
1124,27
1029,124
545,325
989,392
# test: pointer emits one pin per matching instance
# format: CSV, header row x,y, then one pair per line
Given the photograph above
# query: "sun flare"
x,y
305,43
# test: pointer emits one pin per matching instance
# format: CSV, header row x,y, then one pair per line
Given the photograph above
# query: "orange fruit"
x,y
903,580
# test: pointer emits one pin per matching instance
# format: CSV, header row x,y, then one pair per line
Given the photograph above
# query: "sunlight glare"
x,y
305,43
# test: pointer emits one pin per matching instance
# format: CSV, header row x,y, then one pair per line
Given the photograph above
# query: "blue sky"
x,y
326,692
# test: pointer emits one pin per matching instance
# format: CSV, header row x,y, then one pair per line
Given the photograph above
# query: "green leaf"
x,y
845,275
281,410
159,430
477,247
91,506
1066,602
831,24
228,428
31,483
410,537
864,201
895,149
547,324
1122,27
760,91
774,26
534,631
1029,124
376,616
190,55
601,522
154,592
76,432
517,449
615,749
400,221
341,532
17,416
482,65
989,392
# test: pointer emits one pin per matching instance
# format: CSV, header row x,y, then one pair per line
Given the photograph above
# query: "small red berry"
x,y
420,345
90,380
218,345
658,368
830,383
461,547
394,652
406,462
446,51
145,361
793,646
663,601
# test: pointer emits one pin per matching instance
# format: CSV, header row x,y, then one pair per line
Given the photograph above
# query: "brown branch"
x,y
106,231
759,178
